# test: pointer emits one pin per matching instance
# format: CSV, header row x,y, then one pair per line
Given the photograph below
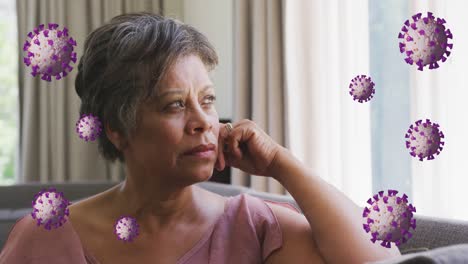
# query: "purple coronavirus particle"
x,y
50,208
424,41
424,140
361,88
88,127
126,228
49,52
389,218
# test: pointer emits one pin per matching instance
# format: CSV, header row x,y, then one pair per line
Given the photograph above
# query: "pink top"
x,y
247,232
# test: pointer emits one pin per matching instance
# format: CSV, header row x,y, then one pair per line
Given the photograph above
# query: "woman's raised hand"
x,y
247,147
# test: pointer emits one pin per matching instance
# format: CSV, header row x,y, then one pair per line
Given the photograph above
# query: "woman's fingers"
x,y
233,147
237,135
247,147
221,160
229,142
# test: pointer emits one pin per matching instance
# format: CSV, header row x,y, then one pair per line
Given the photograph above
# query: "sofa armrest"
x,y
433,232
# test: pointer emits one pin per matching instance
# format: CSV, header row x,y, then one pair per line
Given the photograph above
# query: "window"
x,y
404,95
8,92
390,112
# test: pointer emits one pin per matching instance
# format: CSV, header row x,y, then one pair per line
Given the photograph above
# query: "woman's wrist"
x,y
280,164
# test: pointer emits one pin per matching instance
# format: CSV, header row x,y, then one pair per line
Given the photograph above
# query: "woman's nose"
x,y
200,120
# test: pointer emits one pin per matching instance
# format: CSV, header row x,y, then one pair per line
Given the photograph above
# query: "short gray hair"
x,y
122,66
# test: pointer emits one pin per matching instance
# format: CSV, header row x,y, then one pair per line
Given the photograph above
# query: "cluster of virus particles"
x,y
424,41
126,228
50,208
361,88
88,127
424,140
49,52
389,218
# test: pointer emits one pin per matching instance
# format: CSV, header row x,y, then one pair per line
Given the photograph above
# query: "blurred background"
x,y
284,64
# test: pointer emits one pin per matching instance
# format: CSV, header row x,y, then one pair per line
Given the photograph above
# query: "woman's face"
x,y
182,117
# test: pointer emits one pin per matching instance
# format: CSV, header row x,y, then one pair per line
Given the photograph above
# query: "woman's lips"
x,y
202,154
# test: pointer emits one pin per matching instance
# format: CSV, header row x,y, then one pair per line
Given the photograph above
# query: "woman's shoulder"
x,y
27,233
262,207
256,214
29,241
251,222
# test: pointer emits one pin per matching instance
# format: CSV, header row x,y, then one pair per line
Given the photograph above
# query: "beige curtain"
x,y
50,149
439,185
326,45
259,88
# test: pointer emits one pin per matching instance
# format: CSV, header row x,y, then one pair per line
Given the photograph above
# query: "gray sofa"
x,y
15,202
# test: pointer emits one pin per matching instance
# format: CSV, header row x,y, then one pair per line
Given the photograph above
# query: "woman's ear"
x,y
113,137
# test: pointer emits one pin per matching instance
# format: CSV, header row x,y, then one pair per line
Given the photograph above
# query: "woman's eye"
x,y
180,103
212,98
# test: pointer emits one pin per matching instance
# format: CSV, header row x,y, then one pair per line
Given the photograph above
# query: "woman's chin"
x,y
200,173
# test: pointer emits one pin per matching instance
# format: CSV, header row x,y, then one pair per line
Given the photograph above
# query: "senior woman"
x,y
147,78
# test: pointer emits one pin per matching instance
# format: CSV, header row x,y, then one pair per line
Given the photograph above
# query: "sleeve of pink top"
x,y
29,243
269,230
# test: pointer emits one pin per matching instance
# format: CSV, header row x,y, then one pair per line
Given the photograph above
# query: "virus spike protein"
x,y
89,127
389,218
361,88
49,52
50,208
126,229
424,140
425,41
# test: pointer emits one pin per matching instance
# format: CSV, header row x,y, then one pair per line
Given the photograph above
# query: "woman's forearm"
x,y
336,221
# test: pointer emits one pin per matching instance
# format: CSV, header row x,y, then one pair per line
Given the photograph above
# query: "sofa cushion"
x,y
413,250
434,232
455,254
21,195
8,218
223,189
